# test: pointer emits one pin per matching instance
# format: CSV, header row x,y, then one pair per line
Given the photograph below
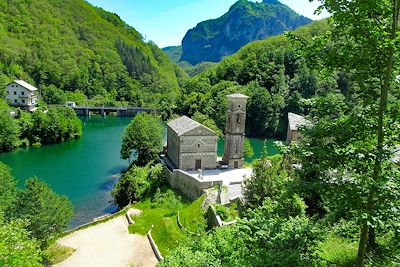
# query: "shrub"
x,y
137,183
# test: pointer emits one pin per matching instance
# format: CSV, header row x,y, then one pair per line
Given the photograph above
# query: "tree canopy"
x,y
349,150
144,137
74,46
48,214
17,248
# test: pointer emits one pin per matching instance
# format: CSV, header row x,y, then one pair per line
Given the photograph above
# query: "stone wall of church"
x,y
173,146
187,161
194,148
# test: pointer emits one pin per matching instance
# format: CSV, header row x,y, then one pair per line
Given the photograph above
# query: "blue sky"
x,y
166,21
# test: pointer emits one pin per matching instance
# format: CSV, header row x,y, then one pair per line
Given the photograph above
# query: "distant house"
x,y
22,94
294,123
70,104
191,145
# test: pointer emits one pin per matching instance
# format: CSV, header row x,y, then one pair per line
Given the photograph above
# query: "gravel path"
x,y
108,244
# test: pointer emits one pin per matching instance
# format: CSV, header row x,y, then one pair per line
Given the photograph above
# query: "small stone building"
x,y
22,94
191,145
294,123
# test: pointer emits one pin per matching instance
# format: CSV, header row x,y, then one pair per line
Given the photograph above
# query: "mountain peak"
x,y
271,2
245,22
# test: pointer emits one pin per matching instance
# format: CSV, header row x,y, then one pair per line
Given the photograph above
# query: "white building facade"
x,y
22,94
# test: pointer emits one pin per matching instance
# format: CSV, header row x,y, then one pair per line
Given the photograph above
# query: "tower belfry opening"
x,y
235,131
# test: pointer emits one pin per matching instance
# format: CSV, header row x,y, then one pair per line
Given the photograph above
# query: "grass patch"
x,y
192,217
339,251
229,213
56,253
162,214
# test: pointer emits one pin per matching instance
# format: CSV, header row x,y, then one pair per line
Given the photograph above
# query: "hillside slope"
x,y
75,46
272,72
245,22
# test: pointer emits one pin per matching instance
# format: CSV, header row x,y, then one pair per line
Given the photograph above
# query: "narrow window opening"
x,y
238,119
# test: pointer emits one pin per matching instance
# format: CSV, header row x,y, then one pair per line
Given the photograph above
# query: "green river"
x,y
86,169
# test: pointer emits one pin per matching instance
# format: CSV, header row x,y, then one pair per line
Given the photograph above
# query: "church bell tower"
x,y
234,131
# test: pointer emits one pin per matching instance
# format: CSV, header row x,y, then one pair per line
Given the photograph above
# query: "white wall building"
x,y
295,122
22,94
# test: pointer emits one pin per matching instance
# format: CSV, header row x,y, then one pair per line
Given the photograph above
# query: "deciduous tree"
x,y
144,135
353,151
17,248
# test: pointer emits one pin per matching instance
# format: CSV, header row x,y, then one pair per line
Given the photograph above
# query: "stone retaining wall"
x,y
97,220
191,187
214,220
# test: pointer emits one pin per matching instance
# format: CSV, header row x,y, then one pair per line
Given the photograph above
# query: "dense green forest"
x,y
272,73
45,126
79,48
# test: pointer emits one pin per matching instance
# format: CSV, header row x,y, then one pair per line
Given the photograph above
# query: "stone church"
x,y
193,146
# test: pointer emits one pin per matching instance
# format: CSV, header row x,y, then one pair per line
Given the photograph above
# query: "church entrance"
x,y
236,164
198,164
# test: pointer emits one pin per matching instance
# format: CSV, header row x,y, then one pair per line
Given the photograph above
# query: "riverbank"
x,y
85,170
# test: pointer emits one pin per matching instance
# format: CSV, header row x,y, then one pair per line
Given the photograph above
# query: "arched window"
x,y
238,118
198,145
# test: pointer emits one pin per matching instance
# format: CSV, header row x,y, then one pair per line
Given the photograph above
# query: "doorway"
x,y
236,164
198,164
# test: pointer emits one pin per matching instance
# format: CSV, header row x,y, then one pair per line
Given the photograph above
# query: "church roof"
x,y
296,121
184,124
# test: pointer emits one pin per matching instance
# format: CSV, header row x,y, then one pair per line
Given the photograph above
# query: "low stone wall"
x,y
97,220
188,185
153,245
128,217
214,220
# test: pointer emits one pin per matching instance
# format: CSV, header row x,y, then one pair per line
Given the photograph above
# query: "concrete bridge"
x,y
120,111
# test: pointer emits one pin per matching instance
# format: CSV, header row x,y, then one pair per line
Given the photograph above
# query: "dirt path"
x,y
108,244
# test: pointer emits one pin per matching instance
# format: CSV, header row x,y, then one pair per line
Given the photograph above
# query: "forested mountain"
x,y
245,22
75,46
174,53
274,76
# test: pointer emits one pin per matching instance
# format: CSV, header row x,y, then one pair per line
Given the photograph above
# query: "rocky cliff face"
x,y
245,22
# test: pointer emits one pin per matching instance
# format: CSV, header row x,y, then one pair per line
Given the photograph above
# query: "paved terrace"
x,y
227,176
